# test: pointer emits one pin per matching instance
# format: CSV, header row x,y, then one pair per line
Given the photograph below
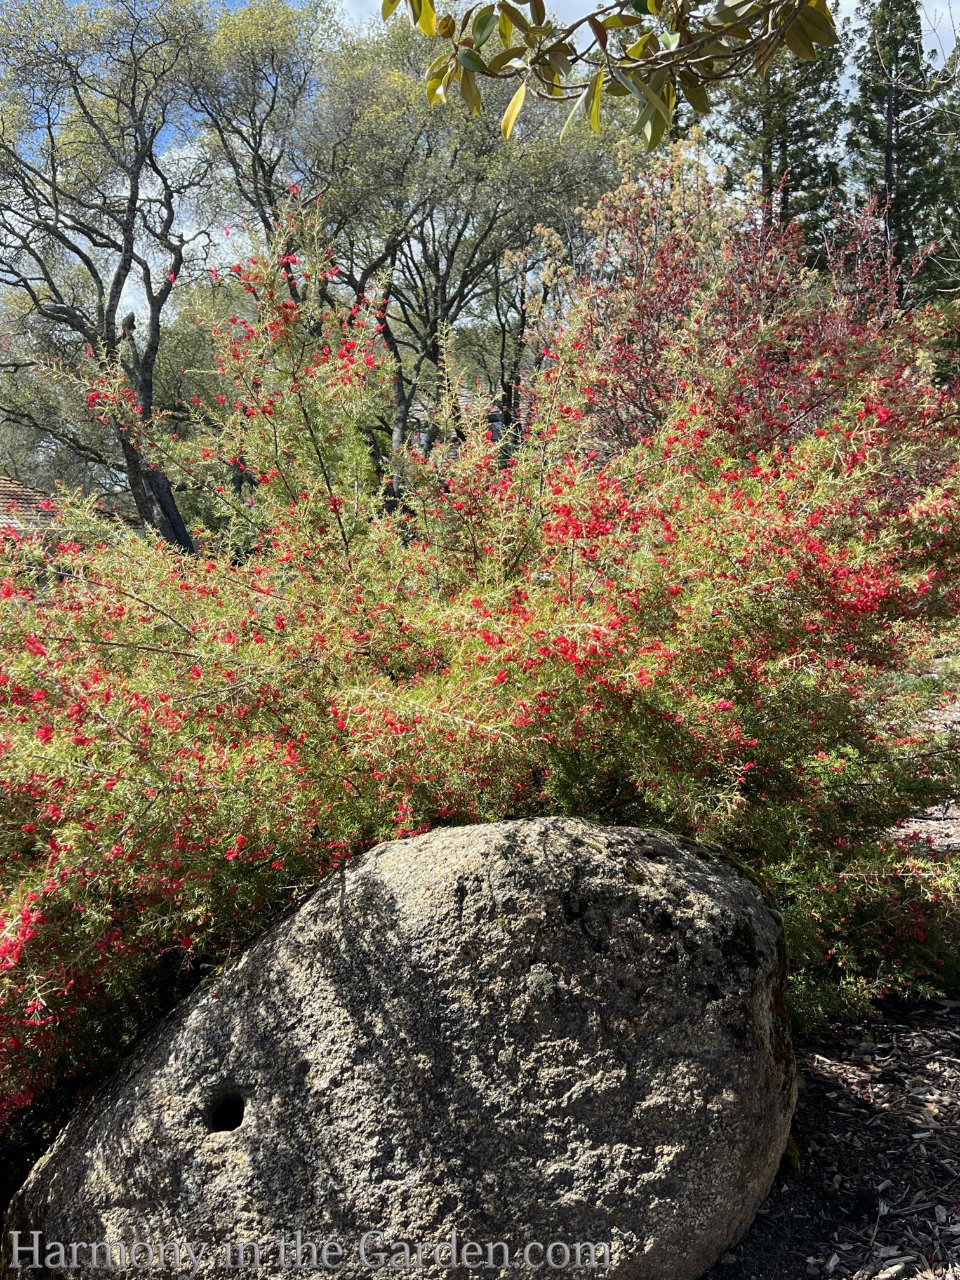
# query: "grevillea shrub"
x,y
721,629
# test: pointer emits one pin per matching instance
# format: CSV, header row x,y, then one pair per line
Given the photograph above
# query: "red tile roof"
x,y
23,506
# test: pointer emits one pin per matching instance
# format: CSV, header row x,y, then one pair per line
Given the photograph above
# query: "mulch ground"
x,y
876,1195
874,1191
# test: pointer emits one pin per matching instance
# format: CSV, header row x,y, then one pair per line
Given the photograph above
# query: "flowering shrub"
x,y
716,617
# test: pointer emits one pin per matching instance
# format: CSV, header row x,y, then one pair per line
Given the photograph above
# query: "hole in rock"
x,y
225,1113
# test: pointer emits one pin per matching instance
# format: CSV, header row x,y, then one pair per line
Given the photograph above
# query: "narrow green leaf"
x,y
387,8
641,90
538,12
511,113
505,27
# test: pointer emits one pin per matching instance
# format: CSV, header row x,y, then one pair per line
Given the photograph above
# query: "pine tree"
x,y
786,128
944,266
893,133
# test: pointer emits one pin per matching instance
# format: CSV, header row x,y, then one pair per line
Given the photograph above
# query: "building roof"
x,y
24,507
27,509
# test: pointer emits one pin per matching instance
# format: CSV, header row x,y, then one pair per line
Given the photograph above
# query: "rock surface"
x,y
542,1031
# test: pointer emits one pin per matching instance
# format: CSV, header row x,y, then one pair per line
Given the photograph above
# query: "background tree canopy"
x,y
136,139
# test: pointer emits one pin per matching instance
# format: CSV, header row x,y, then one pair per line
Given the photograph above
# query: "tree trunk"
x,y
149,484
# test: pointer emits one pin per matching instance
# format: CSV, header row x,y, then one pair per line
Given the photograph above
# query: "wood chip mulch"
x,y
877,1129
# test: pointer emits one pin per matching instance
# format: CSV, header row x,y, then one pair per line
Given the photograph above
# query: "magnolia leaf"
x,y
577,106
645,92
725,14
471,60
696,95
436,90
515,16
558,63
798,42
538,12
511,113
637,48
593,102
653,131
387,8
766,55
446,27
484,26
470,92
508,58
505,27
599,31
818,26
414,7
619,20
427,22
658,103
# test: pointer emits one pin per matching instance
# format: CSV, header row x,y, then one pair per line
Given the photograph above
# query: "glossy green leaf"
x,y
818,26
484,26
637,48
509,57
471,60
515,16
387,8
505,27
470,92
577,106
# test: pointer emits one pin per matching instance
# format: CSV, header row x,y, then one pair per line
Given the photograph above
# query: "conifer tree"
x,y
893,116
786,129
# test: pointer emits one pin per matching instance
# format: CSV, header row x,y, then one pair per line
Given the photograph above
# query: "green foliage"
x,y
715,631
893,136
787,130
649,52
